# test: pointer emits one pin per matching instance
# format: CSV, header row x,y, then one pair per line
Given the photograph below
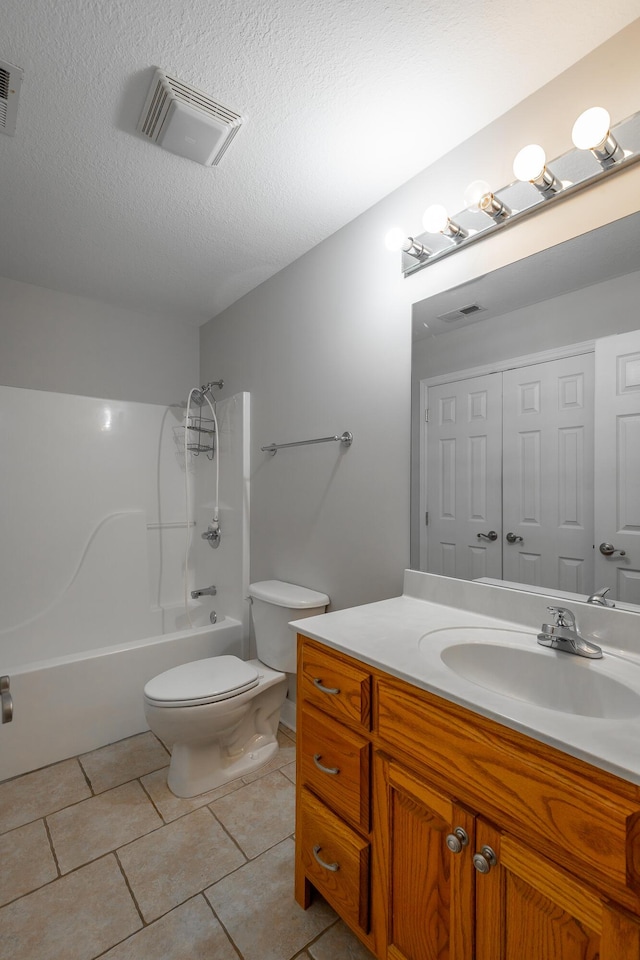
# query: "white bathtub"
x,y
75,703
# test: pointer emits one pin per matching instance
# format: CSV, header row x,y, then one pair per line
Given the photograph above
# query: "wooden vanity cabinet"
x,y
333,795
447,786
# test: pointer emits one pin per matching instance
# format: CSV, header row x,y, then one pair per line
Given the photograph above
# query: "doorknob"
x,y
492,535
608,550
512,538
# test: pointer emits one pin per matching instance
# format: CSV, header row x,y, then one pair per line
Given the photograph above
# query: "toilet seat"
x,y
201,682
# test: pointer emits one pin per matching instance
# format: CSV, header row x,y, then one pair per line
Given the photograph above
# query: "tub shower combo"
x,y
107,572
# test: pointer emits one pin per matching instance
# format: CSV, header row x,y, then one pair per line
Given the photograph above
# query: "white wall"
x,y
56,341
324,346
601,309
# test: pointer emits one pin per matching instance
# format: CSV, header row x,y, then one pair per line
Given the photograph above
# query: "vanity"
x,y
463,792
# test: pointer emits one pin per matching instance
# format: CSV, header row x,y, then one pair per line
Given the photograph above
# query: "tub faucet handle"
x,y
6,700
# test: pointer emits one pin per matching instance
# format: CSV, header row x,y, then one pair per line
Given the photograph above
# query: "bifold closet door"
x,y
547,458
617,475
464,497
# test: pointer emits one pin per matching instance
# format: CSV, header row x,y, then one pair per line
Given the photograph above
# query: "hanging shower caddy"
x,y
201,435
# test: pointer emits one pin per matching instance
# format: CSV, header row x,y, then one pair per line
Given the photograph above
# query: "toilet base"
x,y
197,769
214,743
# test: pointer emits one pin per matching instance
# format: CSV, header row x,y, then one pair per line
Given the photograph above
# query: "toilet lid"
x,y
202,681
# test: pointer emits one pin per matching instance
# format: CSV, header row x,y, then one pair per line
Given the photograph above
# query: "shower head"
x,y
197,397
198,394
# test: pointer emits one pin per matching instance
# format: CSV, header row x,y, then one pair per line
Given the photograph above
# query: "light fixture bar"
x,y
415,249
552,187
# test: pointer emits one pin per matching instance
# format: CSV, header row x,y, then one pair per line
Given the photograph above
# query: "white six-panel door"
x,y
547,470
617,473
512,454
464,440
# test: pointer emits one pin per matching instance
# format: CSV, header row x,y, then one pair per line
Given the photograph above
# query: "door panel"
x,y
547,474
617,432
464,463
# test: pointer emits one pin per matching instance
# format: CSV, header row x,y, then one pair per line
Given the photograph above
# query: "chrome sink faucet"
x,y
600,597
563,635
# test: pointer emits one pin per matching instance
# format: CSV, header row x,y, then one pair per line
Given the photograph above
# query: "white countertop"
x,y
387,635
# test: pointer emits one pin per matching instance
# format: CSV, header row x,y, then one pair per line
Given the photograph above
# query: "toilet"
x,y
220,716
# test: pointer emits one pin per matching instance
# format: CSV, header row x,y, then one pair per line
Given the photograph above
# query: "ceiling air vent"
x,y
187,121
461,313
10,82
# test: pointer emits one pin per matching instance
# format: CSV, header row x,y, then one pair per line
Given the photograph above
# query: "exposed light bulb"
x,y
591,128
529,163
475,193
479,196
435,219
591,131
395,239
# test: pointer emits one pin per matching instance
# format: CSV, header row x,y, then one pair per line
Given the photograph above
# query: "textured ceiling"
x,y
340,95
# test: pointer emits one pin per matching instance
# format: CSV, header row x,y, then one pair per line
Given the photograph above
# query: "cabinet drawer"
x,y
335,685
335,859
580,817
334,763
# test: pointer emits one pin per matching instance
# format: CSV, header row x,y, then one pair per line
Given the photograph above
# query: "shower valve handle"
x,y
212,534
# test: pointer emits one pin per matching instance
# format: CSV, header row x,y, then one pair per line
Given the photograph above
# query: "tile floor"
x,y
99,859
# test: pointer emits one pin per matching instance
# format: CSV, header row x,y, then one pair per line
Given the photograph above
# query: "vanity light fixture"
x,y
531,164
396,239
591,131
437,220
479,196
570,173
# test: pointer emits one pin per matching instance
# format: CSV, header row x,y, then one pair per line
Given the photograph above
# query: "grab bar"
x,y
173,525
346,438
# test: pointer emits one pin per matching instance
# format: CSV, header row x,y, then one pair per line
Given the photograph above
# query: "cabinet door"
x,y
425,890
529,909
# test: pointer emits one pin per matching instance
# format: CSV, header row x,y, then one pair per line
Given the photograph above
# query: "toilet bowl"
x,y
219,716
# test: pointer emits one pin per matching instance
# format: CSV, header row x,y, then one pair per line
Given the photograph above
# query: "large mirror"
x,y
526,421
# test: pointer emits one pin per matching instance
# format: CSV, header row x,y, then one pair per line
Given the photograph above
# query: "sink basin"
x,y
510,663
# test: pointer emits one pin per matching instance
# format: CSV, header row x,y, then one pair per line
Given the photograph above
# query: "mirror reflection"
x,y
526,422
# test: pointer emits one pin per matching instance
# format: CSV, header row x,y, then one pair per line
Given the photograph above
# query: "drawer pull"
x,y
334,867
332,770
317,682
484,860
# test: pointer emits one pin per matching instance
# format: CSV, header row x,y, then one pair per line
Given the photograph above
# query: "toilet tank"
x,y
273,604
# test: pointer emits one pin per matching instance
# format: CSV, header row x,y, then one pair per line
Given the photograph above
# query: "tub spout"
x,y
204,592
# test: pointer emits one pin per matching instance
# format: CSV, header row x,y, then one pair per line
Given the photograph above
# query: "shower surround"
x,y
92,557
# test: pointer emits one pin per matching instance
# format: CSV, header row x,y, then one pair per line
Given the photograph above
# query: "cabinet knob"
x,y
457,840
334,867
317,682
484,860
